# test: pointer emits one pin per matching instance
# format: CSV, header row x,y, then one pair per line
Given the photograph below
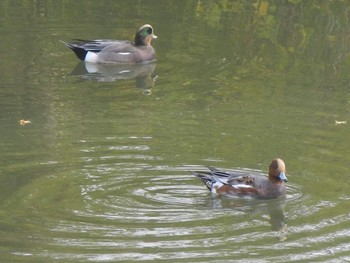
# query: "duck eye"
x,y
149,30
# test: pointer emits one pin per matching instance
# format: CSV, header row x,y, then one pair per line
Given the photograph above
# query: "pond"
x,y
95,160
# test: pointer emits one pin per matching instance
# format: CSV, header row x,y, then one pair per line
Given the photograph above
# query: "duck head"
x,y
144,35
277,170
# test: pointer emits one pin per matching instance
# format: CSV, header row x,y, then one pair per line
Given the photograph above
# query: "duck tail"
x,y
79,52
206,178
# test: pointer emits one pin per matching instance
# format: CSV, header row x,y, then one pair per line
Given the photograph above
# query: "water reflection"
x,y
142,73
273,210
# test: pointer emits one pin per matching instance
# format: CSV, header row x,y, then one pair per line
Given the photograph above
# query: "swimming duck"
x,y
243,185
117,51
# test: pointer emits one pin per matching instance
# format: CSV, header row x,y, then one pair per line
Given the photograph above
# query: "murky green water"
x,y
101,172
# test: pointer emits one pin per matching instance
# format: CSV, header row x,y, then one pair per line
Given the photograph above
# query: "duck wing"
x,y
94,45
235,182
228,177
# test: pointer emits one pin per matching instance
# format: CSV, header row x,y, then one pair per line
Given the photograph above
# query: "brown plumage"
x,y
242,184
108,51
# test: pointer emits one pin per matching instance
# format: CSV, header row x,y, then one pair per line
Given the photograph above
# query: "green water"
x,y
101,172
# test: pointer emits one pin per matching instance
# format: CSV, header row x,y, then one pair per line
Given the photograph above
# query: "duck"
x,y
108,51
242,184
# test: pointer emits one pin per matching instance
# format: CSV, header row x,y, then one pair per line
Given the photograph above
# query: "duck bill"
x,y
154,36
282,176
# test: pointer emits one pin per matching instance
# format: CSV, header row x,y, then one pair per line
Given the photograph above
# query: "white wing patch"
x,y
241,186
124,53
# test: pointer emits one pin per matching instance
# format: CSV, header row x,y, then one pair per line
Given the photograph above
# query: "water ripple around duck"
x,y
171,216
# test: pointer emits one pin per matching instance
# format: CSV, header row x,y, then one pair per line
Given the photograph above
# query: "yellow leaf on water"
x,y
24,122
263,8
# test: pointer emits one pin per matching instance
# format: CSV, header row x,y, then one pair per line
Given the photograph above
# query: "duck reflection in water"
x,y
255,208
142,73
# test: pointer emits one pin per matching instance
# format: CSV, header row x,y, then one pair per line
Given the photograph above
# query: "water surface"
x,y
101,172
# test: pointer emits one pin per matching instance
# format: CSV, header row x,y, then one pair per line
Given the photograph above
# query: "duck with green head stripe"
x,y
107,51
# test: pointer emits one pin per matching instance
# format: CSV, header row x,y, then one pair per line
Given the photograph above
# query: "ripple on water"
x,y
170,198
172,213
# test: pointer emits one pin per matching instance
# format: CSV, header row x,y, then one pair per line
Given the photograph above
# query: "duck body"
x,y
241,184
108,51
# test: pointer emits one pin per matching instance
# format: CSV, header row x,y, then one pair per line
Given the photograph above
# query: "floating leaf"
x,y
24,122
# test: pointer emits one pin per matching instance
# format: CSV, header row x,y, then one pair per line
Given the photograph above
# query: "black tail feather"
x,y
79,52
205,178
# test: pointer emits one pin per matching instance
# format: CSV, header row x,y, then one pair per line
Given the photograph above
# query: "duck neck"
x,y
139,40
